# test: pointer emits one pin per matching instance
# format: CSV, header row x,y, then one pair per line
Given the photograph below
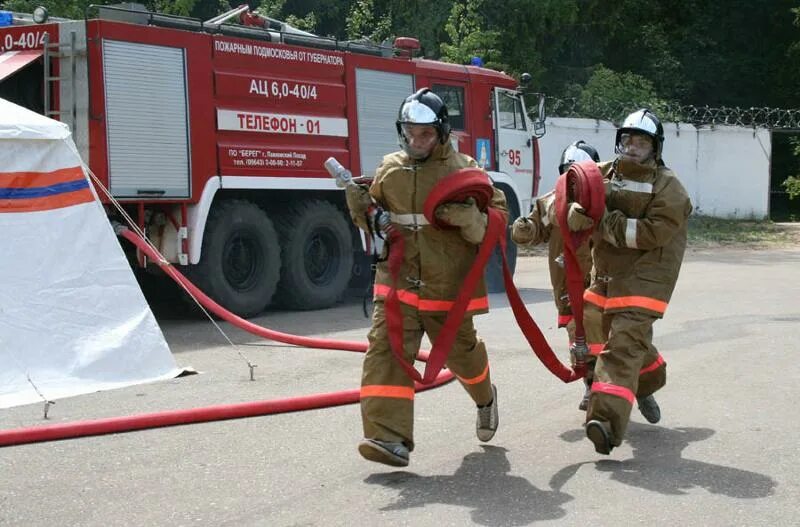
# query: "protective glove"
x,y
465,215
523,230
358,199
577,220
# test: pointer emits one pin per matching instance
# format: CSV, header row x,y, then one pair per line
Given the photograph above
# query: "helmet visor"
x,y
636,147
415,112
419,139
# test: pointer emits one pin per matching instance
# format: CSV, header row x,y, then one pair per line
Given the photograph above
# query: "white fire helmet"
x,y
642,122
577,151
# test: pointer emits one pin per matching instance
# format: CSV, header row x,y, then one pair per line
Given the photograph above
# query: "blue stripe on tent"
x,y
43,192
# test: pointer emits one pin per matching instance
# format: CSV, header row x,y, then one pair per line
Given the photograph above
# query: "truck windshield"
x,y
510,112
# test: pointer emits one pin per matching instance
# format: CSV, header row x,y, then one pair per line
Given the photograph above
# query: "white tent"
x,y
72,317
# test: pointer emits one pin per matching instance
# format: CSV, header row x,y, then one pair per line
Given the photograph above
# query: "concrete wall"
x,y
725,169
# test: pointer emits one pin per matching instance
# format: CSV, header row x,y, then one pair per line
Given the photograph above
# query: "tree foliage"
x,y
607,88
792,185
364,22
468,37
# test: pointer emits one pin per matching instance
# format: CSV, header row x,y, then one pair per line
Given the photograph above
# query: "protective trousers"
x,y
628,367
387,393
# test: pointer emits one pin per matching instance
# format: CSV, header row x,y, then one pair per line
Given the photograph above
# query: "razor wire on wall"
x,y
615,112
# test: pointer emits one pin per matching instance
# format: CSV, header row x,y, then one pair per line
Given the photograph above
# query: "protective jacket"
x,y
435,261
639,245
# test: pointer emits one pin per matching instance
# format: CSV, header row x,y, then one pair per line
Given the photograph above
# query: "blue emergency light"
x,y
6,18
476,61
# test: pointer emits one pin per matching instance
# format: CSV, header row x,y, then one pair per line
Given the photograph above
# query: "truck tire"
x,y
493,273
317,255
240,263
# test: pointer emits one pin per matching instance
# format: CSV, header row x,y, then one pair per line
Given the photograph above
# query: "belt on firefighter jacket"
x,y
582,183
458,186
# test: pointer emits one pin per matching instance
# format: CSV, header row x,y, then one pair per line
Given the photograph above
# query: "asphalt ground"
x,y
725,452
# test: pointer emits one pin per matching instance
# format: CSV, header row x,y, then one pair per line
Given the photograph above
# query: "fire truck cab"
x,y
213,136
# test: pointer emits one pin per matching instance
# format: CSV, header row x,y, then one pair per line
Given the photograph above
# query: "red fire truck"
x,y
213,135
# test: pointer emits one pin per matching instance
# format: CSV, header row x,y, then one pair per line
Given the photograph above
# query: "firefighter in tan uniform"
x,y
540,226
435,264
637,254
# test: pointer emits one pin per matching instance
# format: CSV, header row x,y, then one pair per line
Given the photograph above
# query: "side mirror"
x,y
541,116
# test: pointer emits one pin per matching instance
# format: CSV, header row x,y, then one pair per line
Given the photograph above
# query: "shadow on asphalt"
x,y
168,301
482,483
657,465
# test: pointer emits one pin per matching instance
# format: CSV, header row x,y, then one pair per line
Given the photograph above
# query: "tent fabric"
x,y
13,61
17,122
73,319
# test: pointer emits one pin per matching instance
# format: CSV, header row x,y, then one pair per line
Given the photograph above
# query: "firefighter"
x,y
435,264
540,226
637,253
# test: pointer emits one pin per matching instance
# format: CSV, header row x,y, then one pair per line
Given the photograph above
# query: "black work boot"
x,y
649,408
599,434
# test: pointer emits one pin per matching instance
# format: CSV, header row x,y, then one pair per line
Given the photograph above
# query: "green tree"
x,y
322,17
698,52
468,37
792,183
612,95
364,22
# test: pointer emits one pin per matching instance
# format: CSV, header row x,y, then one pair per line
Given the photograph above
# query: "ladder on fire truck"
x,y
59,51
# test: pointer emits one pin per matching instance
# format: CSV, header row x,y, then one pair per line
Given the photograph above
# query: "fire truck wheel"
x,y
240,262
317,255
494,268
